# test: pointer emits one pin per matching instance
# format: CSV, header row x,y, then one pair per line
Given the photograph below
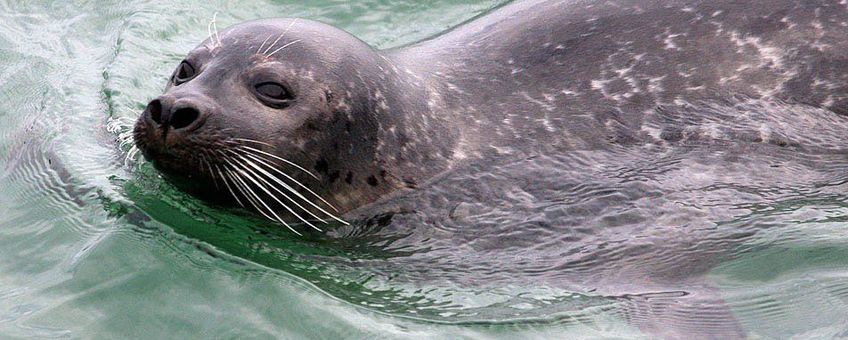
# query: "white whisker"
x,y
131,154
211,173
284,184
224,179
263,43
233,176
215,28
251,197
270,166
256,176
287,187
126,138
267,162
209,30
253,141
279,158
277,218
284,46
280,36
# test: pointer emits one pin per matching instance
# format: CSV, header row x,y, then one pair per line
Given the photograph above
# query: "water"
x,y
94,244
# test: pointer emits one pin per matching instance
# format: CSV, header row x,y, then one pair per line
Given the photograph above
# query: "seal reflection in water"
x,y
303,122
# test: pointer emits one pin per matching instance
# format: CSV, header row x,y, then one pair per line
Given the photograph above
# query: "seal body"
x,y
583,74
582,144
295,118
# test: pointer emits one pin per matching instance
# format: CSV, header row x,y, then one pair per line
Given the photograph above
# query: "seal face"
x,y
271,121
301,121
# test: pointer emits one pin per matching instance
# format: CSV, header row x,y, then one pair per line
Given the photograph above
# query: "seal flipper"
x,y
696,313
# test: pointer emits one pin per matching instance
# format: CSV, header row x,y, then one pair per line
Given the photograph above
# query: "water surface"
x,y
94,244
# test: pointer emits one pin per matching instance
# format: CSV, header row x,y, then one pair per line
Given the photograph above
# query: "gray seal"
x,y
302,121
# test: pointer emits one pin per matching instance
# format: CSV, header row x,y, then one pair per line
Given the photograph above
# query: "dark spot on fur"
x,y
671,134
763,25
347,126
379,221
328,95
334,176
383,173
840,107
402,139
311,126
349,177
410,183
385,219
321,166
372,181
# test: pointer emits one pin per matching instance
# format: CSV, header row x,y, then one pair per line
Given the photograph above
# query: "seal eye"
x,y
184,73
273,94
273,91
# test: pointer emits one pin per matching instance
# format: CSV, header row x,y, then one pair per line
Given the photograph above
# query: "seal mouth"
x,y
186,157
215,166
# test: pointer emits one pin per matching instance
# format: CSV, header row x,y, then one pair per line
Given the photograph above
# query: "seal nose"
x,y
154,109
183,117
177,117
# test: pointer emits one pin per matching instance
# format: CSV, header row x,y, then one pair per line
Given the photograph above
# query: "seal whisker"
x,y
244,175
215,28
257,176
295,191
279,158
268,163
253,141
209,166
246,189
280,36
131,154
291,189
284,46
233,176
251,198
263,43
211,36
285,186
224,179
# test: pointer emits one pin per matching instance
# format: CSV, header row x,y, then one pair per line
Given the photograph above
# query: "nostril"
x,y
155,111
183,117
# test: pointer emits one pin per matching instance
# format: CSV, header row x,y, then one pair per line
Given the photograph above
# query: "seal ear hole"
x,y
184,73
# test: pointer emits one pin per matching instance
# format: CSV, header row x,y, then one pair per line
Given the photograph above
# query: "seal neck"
x,y
393,132
417,135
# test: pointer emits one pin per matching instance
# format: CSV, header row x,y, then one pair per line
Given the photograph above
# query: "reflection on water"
x,y
701,233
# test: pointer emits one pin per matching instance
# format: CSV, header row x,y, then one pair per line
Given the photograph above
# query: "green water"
x,y
95,245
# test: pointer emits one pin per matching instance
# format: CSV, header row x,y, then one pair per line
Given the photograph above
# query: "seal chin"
x,y
187,172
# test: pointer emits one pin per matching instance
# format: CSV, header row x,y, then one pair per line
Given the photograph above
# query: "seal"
x,y
302,121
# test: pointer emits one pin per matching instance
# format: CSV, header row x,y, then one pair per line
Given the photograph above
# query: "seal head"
x,y
290,117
